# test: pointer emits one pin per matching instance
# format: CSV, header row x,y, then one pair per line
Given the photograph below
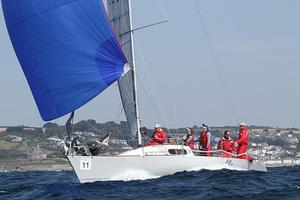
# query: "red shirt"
x,y
243,137
226,144
159,136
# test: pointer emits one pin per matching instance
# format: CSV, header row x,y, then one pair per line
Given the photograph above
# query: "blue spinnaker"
x,y
67,50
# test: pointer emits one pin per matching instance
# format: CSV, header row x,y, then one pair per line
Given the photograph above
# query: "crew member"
x,y
189,138
170,139
242,142
204,142
227,145
158,137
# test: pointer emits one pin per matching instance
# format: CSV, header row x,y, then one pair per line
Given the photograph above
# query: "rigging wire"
x,y
86,121
162,9
119,112
216,62
94,127
151,83
161,4
148,96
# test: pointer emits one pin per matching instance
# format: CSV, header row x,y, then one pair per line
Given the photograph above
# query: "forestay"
x,y
67,50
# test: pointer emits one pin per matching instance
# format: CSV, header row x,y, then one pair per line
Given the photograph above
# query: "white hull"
x,y
103,168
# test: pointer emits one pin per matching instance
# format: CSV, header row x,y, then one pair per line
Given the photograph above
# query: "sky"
x,y
257,46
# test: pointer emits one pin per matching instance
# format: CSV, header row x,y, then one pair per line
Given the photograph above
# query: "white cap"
x,y
243,124
156,126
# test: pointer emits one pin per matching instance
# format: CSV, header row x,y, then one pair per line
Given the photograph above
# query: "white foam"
x,y
130,175
134,174
216,167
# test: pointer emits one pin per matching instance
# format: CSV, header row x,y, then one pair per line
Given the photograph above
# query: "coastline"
x,y
36,165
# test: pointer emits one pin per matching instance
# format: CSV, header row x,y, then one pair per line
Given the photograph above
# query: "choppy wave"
x,y
278,183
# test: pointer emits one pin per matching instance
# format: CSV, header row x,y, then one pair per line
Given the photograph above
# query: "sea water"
x,y
278,183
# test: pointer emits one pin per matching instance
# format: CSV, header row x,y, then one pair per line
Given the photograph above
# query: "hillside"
x,y
37,148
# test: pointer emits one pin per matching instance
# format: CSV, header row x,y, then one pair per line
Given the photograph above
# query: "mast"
x,y
120,15
138,119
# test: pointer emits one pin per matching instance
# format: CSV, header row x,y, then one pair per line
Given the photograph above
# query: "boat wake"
x,y
215,167
130,175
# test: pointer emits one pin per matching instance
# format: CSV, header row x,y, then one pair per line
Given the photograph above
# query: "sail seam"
x,y
45,11
38,65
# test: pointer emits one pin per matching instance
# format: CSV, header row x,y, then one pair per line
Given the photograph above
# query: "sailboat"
x,y
72,50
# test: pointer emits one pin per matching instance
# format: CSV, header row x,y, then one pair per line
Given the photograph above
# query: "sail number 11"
x,y
85,164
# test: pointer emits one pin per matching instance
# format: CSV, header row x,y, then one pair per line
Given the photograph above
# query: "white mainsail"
x,y
119,12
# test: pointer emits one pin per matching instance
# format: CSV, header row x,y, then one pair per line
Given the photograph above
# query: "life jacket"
x,y
189,140
243,137
226,145
205,144
203,140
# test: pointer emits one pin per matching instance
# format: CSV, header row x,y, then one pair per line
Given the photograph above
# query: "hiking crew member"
x,y
242,142
158,137
189,138
204,142
227,145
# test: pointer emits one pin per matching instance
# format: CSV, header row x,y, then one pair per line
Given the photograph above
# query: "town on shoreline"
x,y
26,148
